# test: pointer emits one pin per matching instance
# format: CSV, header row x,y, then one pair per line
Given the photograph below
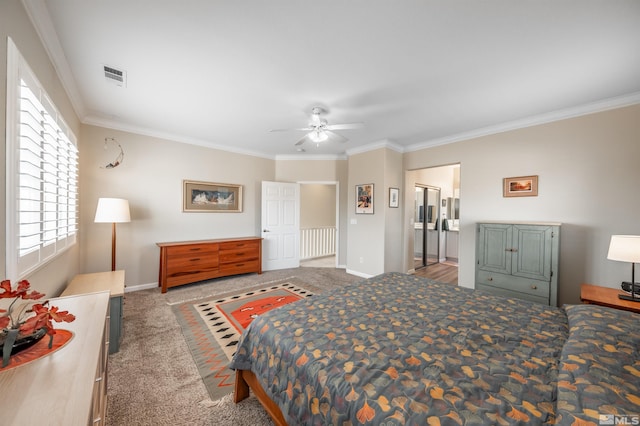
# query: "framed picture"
x,y
211,197
394,197
521,186
364,199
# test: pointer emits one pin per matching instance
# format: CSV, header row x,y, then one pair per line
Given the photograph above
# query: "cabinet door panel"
x,y
533,256
494,244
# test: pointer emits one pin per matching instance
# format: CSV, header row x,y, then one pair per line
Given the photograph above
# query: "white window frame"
x,y
53,215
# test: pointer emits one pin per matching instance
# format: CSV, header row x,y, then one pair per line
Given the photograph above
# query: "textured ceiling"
x,y
416,73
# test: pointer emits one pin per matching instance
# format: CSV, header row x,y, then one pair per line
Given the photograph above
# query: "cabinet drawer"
x,y
519,284
191,277
192,262
249,245
191,249
237,255
512,294
240,267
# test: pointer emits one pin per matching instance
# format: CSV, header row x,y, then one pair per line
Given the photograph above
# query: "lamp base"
x,y
626,286
627,297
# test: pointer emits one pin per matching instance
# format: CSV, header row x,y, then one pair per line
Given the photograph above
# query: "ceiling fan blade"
x,y
305,129
301,141
346,126
334,137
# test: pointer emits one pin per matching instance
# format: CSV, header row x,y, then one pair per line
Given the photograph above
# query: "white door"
x,y
280,225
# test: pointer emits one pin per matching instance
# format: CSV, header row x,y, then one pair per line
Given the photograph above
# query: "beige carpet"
x,y
153,380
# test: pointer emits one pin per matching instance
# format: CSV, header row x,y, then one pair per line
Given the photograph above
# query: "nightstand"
x,y
605,296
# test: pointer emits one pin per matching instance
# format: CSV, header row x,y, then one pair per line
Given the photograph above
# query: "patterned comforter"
x,y
398,349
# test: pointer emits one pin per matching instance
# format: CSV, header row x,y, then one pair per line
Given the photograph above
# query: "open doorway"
x,y
433,239
318,224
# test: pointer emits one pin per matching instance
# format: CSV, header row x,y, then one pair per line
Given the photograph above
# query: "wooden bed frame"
x,y
245,380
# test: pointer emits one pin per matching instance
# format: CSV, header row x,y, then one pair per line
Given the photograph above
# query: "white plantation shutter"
x,y
42,174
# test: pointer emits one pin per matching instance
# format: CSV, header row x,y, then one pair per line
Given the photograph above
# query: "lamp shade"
x,y
112,210
624,248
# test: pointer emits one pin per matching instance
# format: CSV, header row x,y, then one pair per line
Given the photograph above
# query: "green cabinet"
x,y
518,260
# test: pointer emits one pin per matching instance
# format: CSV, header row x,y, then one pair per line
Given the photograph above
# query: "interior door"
x,y
280,225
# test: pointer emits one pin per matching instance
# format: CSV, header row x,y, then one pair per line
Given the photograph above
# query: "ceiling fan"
x,y
319,130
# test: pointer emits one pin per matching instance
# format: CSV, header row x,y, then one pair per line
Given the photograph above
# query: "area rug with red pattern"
x,y
212,326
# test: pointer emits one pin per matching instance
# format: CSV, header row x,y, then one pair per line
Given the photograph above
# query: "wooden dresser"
x,y
185,262
68,386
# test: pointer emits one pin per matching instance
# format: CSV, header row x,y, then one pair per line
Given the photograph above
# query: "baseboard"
x,y
129,289
359,274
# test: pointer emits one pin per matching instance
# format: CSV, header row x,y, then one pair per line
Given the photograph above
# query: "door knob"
x,y
265,230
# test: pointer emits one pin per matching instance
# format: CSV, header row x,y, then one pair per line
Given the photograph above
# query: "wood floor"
x,y
443,272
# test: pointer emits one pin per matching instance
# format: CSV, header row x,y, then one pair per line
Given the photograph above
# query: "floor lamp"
x,y
626,248
112,210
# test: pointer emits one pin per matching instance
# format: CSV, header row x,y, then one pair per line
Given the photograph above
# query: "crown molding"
x,y
41,20
114,125
562,114
385,143
311,157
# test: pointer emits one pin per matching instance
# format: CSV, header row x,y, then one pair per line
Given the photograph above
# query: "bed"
x,y
398,349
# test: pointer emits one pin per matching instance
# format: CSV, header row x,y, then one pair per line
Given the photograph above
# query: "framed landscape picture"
x,y
521,186
364,199
211,197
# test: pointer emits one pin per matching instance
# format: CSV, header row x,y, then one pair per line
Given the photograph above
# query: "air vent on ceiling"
x,y
115,75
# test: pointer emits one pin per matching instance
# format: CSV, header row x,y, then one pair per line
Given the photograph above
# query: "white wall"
x,y
150,177
14,22
317,205
374,241
588,180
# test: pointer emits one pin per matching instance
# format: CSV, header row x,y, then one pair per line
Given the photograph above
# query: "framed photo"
x,y
364,199
211,197
394,197
521,186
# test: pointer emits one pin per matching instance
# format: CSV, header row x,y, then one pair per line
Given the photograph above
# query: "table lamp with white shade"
x,y
112,210
626,248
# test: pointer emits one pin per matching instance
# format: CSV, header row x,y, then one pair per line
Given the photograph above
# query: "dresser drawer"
x,y
519,284
252,245
193,262
512,294
237,255
191,249
240,267
190,277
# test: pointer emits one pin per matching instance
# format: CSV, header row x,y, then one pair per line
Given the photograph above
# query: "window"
x,y
42,173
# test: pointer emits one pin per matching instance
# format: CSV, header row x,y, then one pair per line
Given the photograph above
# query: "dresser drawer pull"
x,y
512,250
490,279
534,287
195,249
239,264
195,259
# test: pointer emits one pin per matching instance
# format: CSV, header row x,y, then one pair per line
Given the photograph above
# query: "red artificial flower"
x,y
21,291
43,318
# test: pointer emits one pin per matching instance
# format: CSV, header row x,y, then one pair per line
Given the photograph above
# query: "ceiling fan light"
x,y
318,136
